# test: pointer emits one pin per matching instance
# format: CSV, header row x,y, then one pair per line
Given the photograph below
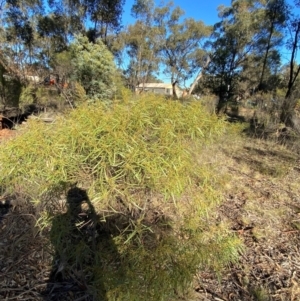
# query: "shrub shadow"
x,y
5,206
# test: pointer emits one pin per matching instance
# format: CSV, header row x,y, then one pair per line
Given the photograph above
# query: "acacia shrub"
x,y
137,159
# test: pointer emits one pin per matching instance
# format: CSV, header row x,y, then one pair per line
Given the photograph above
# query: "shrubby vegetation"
x,y
139,158
93,68
140,162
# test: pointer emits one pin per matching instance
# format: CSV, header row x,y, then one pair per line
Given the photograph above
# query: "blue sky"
x,y
204,10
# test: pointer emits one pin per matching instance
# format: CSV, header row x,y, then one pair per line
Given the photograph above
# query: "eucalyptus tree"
x,y
141,44
18,33
233,46
293,45
17,46
102,16
274,18
288,115
142,51
181,43
53,38
245,46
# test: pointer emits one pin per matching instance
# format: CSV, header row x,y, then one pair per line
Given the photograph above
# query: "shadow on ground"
x,y
5,206
84,250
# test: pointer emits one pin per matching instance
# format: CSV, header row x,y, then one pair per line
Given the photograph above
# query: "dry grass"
x,y
262,207
24,258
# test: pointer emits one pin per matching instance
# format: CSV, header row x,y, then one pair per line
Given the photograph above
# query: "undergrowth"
x,y
140,163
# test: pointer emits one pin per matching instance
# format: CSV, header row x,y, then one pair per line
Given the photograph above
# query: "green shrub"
x,y
28,95
94,68
10,89
42,96
140,162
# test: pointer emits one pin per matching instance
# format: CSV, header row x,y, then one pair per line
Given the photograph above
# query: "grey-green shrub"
x,y
94,68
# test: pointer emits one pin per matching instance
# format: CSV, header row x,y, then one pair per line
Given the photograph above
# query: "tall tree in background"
x,y
141,44
53,36
95,18
180,43
18,34
234,39
105,15
142,50
245,47
288,114
274,17
35,30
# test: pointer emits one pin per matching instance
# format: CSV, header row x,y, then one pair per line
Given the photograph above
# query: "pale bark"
x,y
199,76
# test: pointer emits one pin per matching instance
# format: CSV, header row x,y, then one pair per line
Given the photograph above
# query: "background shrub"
x,y
93,67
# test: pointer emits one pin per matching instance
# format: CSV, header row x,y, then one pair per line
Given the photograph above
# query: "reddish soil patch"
x,y
6,133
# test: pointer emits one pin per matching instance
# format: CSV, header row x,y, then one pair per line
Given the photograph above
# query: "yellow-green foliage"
x,y
10,89
28,95
145,152
78,93
138,145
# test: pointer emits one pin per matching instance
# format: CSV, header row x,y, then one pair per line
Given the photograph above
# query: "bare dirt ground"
x,y
6,133
261,205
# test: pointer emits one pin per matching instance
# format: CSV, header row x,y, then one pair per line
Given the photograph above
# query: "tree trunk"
x,y
174,83
266,57
199,76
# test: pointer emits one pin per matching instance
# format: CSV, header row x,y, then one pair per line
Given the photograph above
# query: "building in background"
x,y
158,88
